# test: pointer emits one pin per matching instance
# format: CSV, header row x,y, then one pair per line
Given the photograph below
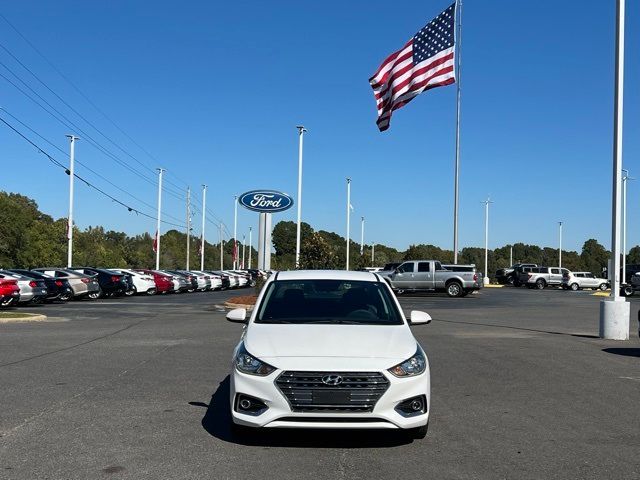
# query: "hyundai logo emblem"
x,y
332,380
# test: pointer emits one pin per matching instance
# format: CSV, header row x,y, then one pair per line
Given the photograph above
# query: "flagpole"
x,y
348,218
458,45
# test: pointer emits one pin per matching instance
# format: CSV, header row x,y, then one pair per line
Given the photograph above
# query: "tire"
x,y
420,432
627,290
510,280
603,286
6,302
131,292
574,287
540,284
95,295
65,297
151,291
454,289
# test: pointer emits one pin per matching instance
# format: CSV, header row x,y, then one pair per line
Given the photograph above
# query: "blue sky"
x,y
214,90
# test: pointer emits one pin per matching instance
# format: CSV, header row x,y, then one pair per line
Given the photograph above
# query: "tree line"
x,y
30,238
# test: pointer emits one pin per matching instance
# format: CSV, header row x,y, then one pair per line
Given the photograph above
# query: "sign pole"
x,y
235,232
614,312
250,247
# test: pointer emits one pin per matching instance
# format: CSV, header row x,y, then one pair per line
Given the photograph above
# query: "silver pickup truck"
x,y
430,275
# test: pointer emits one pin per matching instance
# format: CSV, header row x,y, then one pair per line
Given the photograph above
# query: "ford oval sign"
x,y
266,201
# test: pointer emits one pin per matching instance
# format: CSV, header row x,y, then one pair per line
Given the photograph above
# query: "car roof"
x,y
327,275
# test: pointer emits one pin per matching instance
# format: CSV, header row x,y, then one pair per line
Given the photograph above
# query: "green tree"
x,y
284,235
594,256
317,254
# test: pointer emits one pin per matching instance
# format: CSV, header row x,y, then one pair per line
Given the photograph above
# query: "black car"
x,y
111,283
57,288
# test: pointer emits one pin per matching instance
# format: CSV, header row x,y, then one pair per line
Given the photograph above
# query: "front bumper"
x,y
280,415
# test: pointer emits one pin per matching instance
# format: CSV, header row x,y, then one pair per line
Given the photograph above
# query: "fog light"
x,y
249,405
412,406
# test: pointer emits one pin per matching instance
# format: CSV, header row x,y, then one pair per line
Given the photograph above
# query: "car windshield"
x,y
328,302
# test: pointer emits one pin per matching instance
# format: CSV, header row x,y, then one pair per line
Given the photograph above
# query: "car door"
x,y
590,280
555,276
404,277
424,277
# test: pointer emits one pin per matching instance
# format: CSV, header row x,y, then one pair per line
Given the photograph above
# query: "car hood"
x,y
367,342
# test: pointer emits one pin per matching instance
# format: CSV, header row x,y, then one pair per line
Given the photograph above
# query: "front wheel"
x,y
574,286
131,291
627,290
540,284
151,291
603,286
454,289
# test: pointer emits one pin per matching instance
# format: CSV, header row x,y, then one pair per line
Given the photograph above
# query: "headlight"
x,y
412,366
247,363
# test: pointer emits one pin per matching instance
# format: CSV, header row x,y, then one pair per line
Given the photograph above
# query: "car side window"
x,y
579,275
589,275
406,267
555,270
423,266
61,274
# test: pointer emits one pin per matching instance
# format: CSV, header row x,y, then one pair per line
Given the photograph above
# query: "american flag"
x,y
426,61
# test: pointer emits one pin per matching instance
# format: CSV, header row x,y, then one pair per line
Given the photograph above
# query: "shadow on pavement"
x,y
627,352
217,422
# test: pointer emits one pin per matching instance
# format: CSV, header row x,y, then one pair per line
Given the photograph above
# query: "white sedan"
x,y
142,282
329,349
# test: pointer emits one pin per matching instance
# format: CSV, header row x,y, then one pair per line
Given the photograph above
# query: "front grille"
x,y
358,391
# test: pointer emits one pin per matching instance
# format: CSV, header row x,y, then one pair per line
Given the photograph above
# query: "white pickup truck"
x,y
540,277
430,275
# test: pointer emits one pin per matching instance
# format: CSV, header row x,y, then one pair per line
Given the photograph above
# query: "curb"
x,y
600,294
29,317
493,286
232,305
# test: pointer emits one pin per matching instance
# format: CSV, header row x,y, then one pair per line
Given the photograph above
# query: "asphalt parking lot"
x,y
137,388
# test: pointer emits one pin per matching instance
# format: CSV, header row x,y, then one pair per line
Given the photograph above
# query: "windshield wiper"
x,y
336,321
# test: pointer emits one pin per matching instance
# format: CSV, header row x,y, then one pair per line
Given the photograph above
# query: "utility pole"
x,y
235,232
72,154
614,312
560,249
348,218
250,247
204,208
160,171
188,224
362,236
301,131
511,256
221,247
486,240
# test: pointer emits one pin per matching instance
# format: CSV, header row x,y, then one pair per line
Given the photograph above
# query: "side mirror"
x,y
237,315
419,318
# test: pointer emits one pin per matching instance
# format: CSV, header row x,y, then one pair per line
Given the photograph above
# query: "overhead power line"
x,y
56,162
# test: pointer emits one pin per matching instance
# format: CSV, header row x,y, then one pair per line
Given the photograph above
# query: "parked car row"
x,y
48,284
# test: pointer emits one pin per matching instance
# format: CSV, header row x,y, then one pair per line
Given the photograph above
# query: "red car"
x,y
9,292
163,283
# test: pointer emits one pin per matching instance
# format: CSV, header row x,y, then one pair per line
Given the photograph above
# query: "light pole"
x,y
373,254
235,232
362,236
511,256
250,247
486,240
625,178
301,131
204,206
160,171
188,225
348,218
614,312
221,247
560,249
243,249
72,154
